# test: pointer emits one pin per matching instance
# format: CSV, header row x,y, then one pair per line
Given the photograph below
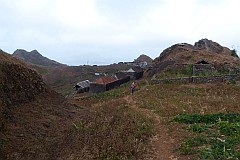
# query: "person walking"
x,y
132,87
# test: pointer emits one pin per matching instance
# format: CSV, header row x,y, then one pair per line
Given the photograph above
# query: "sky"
x,y
78,32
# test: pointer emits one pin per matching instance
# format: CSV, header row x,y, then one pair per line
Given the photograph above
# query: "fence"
x,y
198,79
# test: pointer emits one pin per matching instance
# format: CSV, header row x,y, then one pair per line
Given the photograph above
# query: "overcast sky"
x,y
78,32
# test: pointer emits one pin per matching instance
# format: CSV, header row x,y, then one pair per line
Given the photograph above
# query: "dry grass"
x,y
109,131
172,99
115,120
109,128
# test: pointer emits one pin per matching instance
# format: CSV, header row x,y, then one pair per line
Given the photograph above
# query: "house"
x,y
105,80
202,67
83,86
103,84
143,64
122,77
135,73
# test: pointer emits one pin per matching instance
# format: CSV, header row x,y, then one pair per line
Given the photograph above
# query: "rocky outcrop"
x,y
209,46
143,58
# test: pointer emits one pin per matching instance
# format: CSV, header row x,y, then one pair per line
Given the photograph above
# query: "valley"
x,y
169,121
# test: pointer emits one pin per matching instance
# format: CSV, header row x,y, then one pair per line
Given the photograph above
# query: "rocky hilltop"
x,y
184,53
143,58
35,58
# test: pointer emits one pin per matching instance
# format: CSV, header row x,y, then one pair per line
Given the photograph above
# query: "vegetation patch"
x,y
216,136
110,132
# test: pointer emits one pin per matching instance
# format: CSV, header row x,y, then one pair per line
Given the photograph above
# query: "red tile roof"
x,y
105,80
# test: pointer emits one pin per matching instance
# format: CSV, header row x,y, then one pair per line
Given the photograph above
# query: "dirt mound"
x,y
32,116
18,83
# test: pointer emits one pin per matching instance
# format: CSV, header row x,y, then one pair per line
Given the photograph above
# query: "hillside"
x,y
35,58
204,49
168,106
61,77
32,116
38,123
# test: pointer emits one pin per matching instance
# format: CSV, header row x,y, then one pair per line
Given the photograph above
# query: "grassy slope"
x,y
170,100
110,129
165,100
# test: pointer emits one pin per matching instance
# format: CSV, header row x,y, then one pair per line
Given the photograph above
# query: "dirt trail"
x,y
161,144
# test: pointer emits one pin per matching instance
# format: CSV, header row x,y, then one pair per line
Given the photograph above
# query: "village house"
x,y
122,77
83,86
202,67
106,83
103,84
143,64
134,73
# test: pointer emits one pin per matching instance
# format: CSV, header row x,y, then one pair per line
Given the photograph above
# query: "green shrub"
x,y
206,118
216,135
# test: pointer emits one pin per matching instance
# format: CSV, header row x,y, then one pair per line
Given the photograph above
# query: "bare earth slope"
x,y
32,116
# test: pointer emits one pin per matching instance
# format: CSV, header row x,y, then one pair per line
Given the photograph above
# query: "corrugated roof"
x,y
105,80
130,70
135,69
84,84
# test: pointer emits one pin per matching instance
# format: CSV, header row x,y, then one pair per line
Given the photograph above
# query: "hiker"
x,y
132,86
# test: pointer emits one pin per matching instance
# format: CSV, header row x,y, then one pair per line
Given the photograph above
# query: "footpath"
x,y
161,145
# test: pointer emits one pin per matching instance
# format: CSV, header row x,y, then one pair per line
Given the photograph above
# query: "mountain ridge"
x,y
35,58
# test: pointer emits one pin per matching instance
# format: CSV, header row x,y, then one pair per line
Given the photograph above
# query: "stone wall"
x,y
97,88
124,80
196,79
112,85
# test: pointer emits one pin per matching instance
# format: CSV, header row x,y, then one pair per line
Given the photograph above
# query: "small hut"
x,y
83,86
